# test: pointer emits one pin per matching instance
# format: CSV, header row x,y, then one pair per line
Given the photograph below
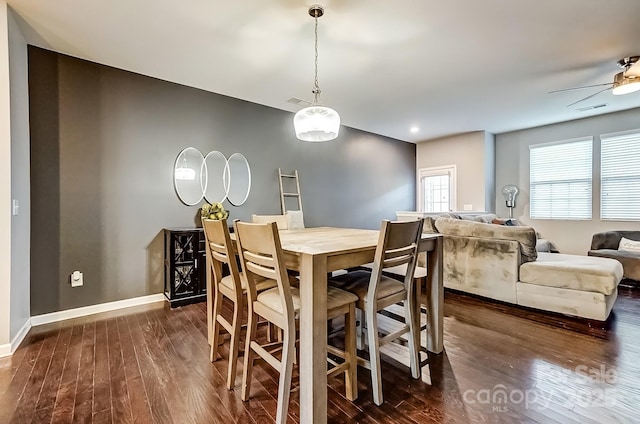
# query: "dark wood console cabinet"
x,y
184,266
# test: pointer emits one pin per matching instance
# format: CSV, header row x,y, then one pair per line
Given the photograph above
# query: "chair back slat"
x,y
261,257
397,260
262,271
399,256
218,255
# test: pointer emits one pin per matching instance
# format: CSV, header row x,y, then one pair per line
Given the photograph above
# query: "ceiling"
x,y
445,67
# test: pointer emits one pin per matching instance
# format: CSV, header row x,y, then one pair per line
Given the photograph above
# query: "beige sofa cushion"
x,y
525,236
575,272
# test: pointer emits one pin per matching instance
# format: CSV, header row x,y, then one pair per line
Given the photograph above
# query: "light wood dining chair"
x,y
233,286
280,220
397,246
262,257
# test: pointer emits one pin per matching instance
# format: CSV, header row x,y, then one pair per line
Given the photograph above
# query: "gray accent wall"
x,y
512,167
103,144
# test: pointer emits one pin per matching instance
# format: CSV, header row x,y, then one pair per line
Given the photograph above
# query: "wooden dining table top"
x,y
330,240
325,240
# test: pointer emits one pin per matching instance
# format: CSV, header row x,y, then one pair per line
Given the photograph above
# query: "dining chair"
x,y
262,257
233,286
397,246
280,220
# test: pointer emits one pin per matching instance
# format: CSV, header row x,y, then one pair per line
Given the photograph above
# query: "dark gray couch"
x,y
606,245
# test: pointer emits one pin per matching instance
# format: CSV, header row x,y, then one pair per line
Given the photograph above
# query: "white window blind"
x,y
560,179
620,176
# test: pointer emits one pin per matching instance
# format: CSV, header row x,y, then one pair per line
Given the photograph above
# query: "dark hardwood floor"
x,y
502,364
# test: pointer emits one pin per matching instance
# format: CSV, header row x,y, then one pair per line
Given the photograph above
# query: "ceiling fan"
x,y
624,82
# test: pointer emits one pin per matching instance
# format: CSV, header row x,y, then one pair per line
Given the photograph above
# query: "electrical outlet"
x,y
468,207
77,279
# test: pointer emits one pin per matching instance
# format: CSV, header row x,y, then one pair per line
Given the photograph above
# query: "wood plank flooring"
x,y
502,364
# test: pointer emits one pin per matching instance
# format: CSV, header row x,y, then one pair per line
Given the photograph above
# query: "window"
x,y
560,179
437,189
620,176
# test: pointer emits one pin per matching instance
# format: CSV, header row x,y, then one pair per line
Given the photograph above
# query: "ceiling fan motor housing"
x,y
628,62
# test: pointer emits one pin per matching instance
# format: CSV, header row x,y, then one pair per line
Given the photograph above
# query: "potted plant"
x,y
213,211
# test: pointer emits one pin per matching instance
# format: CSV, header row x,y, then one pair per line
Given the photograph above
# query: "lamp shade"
x,y
316,124
510,192
626,86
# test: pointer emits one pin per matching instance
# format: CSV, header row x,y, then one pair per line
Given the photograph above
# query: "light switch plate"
x,y
15,207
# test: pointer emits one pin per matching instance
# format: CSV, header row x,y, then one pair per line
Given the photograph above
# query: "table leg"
x,y
435,298
313,339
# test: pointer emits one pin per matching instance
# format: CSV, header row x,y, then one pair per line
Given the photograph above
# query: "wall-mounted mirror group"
x,y
212,177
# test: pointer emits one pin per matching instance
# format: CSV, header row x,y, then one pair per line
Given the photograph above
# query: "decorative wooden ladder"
x,y
284,194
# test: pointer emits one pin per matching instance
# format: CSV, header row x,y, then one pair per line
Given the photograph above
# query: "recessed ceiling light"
x,y
414,129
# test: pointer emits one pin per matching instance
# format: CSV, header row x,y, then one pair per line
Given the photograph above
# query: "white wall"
x,y
5,183
473,155
512,167
20,179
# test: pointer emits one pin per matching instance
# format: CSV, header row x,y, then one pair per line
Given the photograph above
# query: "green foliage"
x,y
214,211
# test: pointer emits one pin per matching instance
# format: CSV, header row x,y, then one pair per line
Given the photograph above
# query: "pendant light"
x,y
316,122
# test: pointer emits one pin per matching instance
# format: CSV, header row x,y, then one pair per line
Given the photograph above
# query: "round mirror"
x,y
189,176
215,174
239,182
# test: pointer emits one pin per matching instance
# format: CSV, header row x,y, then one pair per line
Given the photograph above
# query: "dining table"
x,y
315,252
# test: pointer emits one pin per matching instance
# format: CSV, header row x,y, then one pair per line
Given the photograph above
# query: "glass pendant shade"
x,y
316,124
185,174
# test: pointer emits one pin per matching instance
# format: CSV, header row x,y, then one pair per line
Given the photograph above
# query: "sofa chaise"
x,y
501,262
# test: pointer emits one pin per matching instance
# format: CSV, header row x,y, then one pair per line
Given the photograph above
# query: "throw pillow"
x,y
629,245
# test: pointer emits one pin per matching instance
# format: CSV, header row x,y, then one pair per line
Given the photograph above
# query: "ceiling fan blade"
x,y
580,88
588,97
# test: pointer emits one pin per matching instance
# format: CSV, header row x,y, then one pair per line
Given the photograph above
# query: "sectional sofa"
x,y
501,262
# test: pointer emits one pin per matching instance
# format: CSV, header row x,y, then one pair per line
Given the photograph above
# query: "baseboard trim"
x,y
9,348
95,309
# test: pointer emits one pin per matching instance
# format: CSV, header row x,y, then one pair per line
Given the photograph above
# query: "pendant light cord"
x,y
316,86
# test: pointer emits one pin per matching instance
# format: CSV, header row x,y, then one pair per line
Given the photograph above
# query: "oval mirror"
x,y
239,182
189,176
215,174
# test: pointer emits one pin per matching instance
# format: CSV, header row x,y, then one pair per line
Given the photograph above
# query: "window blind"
x,y
560,179
620,176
